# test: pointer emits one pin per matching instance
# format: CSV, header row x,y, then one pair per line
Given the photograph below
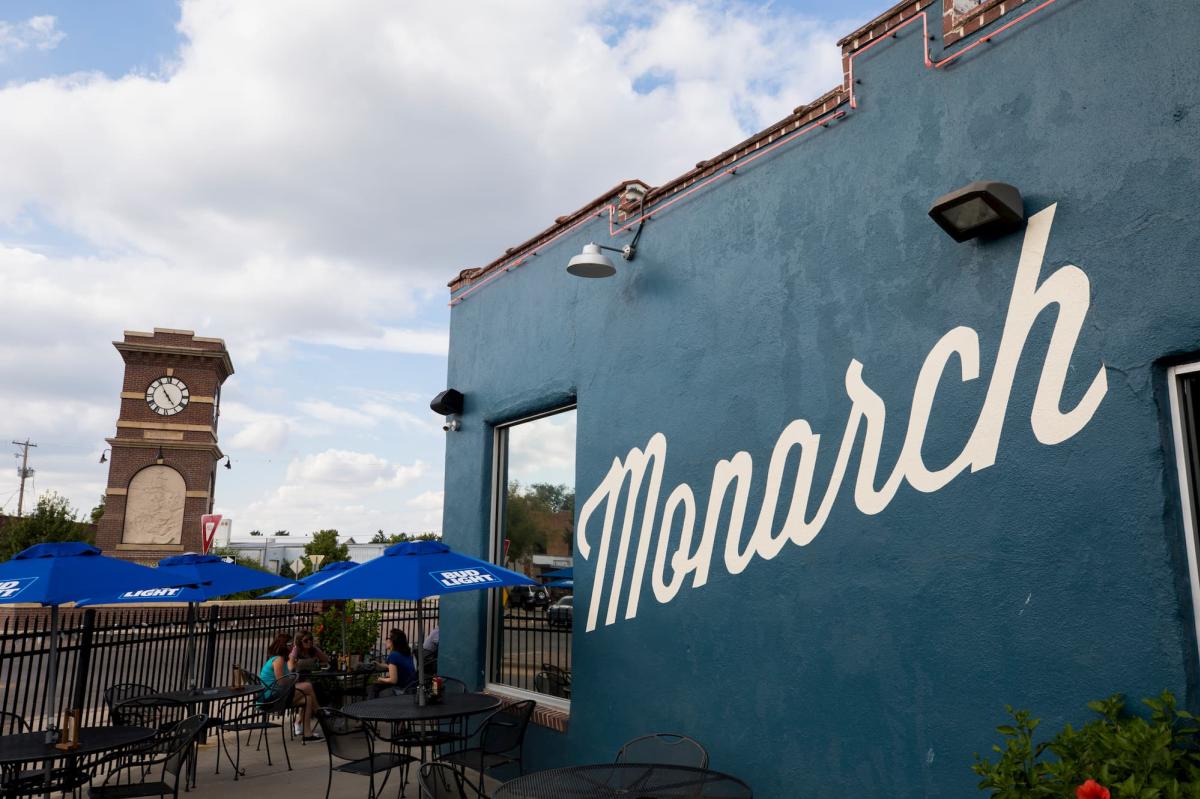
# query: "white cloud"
x,y
427,501
39,33
543,451
317,177
338,489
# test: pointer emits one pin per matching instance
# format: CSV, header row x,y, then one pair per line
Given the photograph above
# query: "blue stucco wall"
x,y
876,660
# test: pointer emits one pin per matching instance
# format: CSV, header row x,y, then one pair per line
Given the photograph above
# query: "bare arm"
x,y
277,666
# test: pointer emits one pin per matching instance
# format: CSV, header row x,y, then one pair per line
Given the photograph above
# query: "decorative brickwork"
x,y
959,20
186,440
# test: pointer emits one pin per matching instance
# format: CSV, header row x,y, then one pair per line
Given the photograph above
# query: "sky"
x,y
302,179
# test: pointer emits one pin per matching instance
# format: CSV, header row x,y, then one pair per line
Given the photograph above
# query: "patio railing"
x,y
102,647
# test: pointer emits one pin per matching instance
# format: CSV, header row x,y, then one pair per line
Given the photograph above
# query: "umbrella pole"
x,y
51,704
345,614
421,650
191,652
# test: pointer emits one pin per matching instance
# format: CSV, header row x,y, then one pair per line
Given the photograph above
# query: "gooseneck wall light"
x,y
592,262
982,208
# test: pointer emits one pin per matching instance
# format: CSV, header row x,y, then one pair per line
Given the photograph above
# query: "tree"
x,y
535,516
399,538
324,542
281,533
256,532
98,511
285,570
52,520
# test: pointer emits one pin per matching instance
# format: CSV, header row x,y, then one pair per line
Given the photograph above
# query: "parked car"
x,y
561,613
528,597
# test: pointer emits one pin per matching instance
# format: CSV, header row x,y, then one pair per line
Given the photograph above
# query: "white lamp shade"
x,y
591,263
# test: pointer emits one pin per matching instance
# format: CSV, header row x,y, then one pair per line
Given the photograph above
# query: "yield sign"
x,y
208,529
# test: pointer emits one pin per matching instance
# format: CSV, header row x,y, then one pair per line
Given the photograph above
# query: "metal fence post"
x,y
210,654
84,661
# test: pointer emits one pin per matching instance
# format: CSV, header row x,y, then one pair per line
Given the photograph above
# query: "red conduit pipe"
x,y
612,208
929,62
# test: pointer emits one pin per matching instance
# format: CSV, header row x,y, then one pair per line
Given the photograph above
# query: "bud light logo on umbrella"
x,y
464,577
10,588
152,593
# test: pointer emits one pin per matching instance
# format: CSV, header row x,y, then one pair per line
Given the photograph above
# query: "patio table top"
x,y
405,708
625,780
31,747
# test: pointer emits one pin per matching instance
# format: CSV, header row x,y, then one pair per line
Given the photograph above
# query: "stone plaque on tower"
x,y
165,455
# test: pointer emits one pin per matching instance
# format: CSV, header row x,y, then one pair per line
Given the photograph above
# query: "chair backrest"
x,y
148,711
178,740
278,696
347,738
504,730
666,748
548,682
557,671
249,678
122,692
11,723
441,781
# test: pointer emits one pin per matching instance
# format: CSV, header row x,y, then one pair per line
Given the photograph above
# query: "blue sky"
x,y
289,177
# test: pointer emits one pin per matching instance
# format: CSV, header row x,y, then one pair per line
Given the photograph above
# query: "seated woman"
x,y
400,669
305,649
276,668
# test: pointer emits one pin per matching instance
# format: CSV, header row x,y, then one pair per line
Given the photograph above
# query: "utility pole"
x,y
24,472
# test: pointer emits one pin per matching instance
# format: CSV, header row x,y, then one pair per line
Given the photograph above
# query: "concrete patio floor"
x,y
306,780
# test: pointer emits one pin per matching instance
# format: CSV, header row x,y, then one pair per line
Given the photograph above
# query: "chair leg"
x,y
283,737
262,735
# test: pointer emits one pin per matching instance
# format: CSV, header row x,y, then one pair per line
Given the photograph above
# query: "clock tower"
x,y
165,454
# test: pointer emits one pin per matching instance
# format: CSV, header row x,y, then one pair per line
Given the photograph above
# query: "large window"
x,y
1184,383
534,533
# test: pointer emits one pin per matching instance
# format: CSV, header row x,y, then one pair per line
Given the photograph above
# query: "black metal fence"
x,y
534,654
102,647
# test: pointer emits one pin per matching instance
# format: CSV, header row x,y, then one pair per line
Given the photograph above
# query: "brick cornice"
x,y
128,348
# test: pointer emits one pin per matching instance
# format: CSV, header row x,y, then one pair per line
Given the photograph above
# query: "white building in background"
x,y
272,552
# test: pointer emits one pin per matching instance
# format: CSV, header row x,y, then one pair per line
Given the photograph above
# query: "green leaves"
x,y
1134,757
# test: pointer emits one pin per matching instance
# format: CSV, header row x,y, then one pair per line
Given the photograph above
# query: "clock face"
x,y
167,396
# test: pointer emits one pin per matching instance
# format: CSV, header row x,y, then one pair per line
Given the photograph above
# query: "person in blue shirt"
x,y
400,669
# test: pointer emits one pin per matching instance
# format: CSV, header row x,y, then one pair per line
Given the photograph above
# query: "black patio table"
x,y
191,697
31,747
625,781
197,696
405,708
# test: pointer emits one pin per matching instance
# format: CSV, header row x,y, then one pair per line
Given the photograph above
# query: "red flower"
x,y
1091,790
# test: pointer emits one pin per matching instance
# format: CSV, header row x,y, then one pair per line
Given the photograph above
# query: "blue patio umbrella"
x,y
206,577
414,570
292,588
561,584
55,573
560,574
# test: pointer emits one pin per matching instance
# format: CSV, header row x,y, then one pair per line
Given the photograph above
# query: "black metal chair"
x,y
275,701
122,692
172,748
147,711
353,743
664,747
12,723
501,741
441,781
552,683
16,781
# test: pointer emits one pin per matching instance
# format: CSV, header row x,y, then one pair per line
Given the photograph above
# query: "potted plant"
x,y
359,630
1118,755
